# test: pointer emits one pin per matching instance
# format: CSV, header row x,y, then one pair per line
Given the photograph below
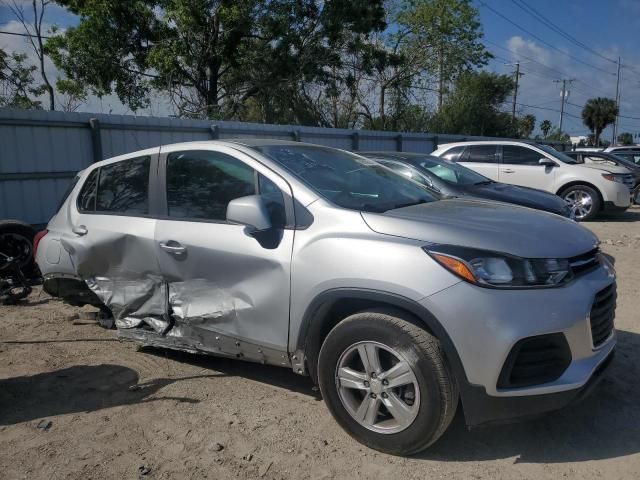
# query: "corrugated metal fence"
x,y
40,151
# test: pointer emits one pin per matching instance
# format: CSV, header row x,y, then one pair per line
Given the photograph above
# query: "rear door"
x,y
228,289
482,158
521,166
111,241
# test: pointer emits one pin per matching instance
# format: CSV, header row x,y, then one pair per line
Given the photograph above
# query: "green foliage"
x,y
557,136
213,58
625,139
597,114
18,88
526,125
473,106
546,127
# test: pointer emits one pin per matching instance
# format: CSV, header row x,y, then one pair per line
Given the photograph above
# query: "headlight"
x,y
614,177
499,270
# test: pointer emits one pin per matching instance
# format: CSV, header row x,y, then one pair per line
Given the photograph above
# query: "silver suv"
x,y
396,302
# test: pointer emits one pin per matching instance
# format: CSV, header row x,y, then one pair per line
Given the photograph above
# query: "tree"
x,y
557,136
447,33
18,88
597,114
526,126
546,127
473,107
35,35
625,139
213,58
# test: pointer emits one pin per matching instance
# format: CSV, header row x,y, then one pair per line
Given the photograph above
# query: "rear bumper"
x,y
483,409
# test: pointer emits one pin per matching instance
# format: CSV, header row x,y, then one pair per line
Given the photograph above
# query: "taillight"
x,y
36,240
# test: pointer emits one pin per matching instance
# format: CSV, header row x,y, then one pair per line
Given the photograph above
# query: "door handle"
x,y
173,247
80,230
508,170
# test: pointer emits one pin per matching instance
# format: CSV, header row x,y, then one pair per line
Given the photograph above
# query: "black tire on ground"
x,y
13,230
421,350
595,198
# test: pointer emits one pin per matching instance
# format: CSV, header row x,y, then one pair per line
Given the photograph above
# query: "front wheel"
x,y
584,202
386,382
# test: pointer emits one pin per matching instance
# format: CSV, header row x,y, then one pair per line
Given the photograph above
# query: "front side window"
x,y
348,180
123,187
200,184
480,154
516,155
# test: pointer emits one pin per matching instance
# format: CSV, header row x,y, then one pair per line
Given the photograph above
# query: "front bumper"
x,y
484,325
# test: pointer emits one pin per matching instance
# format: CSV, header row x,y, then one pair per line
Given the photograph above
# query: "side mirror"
x,y
547,162
250,211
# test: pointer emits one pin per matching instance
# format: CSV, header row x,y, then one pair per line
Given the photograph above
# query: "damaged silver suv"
x,y
398,303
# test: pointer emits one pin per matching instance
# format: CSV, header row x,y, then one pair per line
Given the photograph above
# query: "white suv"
x,y
587,188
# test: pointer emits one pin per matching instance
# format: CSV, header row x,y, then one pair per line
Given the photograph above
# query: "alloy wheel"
x,y
580,202
378,387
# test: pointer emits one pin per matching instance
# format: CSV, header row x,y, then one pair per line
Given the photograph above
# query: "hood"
x,y
527,197
486,225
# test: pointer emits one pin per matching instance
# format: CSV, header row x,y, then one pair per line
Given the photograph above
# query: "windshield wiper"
x,y
408,204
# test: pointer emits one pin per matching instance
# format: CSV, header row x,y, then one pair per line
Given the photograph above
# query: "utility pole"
x,y
515,92
564,94
615,123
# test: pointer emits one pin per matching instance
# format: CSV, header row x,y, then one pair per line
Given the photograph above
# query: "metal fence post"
x,y
296,135
215,132
435,143
96,139
399,140
355,141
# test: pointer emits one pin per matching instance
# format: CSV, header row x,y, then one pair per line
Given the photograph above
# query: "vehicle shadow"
x,y
267,374
604,425
82,388
628,216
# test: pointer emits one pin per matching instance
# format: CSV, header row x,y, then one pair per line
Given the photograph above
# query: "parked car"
x,y
605,158
455,180
395,301
588,189
622,148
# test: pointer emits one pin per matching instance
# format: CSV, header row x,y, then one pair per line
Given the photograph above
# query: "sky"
x,y
577,40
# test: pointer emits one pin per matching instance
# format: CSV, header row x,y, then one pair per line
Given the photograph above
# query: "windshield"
x,y
629,156
348,180
556,154
453,173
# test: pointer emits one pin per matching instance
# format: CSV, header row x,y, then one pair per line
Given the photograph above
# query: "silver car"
x,y
396,302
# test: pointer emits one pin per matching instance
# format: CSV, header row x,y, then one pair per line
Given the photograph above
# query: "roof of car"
x,y
488,142
397,155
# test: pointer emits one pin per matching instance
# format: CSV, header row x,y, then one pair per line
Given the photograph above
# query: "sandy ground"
x,y
77,403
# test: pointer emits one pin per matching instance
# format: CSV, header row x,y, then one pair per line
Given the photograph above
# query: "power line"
x,y
552,26
543,41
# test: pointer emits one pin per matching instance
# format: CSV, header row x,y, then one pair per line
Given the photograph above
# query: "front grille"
x,y
535,360
602,314
584,263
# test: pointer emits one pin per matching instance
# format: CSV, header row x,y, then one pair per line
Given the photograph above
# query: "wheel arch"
x,y
583,183
330,307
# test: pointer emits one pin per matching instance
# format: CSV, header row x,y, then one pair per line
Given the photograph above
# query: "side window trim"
x,y
162,208
151,196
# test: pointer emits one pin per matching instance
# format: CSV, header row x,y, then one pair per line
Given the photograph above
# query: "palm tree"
x,y
597,114
545,126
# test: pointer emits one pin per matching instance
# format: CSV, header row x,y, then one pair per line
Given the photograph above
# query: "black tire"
x,y
596,205
12,230
422,351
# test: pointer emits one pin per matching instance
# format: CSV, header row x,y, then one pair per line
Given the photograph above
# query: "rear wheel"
x,y
584,202
386,382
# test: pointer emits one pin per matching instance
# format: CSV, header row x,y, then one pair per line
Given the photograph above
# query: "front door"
x,y
228,288
521,166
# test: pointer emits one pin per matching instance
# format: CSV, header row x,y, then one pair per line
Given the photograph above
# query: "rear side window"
x,y
453,154
480,154
515,155
200,184
121,187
